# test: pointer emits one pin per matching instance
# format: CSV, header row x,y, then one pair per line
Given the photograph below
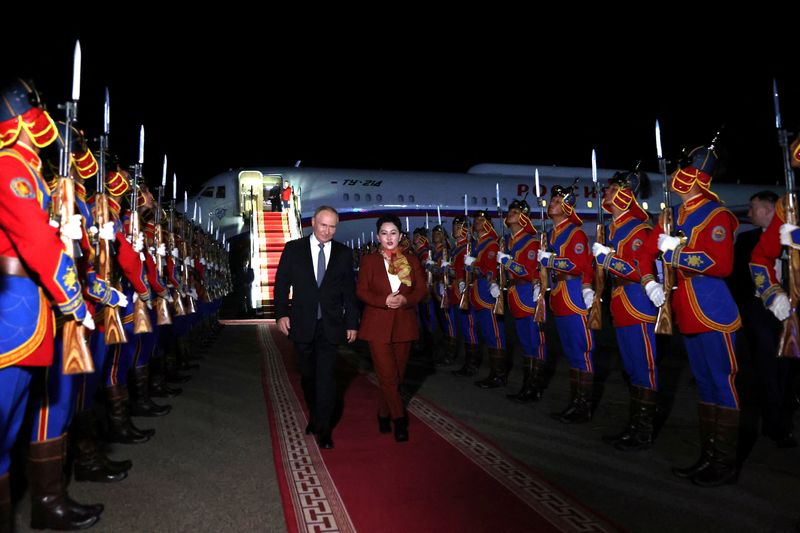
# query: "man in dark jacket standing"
x,y
323,313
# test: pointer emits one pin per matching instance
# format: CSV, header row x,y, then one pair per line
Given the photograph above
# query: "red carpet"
x,y
446,478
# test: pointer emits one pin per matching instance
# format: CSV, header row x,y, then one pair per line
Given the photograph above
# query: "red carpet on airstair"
x,y
445,478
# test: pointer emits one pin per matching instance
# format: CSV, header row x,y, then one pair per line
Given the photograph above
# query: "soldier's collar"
x,y
29,154
694,202
623,218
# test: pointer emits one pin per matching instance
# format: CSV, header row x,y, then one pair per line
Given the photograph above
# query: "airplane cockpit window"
x,y
356,197
505,201
400,198
208,192
221,191
345,197
410,198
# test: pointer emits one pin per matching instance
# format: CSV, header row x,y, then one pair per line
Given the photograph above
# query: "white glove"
x,y
123,300
598,249
175,253
537,291
780,307
107,232
494,290
468,260
429,261
667,242
73,228
138,244
203,261
786,234
588,297
541,254
193,292
462,286
440,289
170,299
92,230
445,264
162,250
88,322
655,291
149,303
189,262
503,258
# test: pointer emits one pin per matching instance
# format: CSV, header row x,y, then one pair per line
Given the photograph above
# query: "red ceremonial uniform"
x,y
483,268
766,252
522,270
27,236
457,259
571,260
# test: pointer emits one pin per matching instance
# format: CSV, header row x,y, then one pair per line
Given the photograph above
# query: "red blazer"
x,y
378,322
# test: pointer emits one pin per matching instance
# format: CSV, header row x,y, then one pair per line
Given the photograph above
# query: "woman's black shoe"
x,y
401,429
384,424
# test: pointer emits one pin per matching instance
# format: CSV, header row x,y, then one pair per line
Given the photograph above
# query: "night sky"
x,y
417,97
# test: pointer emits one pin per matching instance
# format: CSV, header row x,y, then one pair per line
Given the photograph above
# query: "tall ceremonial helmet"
x,y
459,220
21,108
569,197
697,166
629,186
524,220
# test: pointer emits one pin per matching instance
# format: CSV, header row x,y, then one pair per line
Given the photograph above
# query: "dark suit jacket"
x,y
336,295
379,323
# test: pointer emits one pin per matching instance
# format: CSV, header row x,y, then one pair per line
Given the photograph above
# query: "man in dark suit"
x,y
323,313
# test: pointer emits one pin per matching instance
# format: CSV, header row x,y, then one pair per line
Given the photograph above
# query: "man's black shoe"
x,y
325,440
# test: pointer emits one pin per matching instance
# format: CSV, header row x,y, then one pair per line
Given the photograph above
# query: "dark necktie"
x,y
320,274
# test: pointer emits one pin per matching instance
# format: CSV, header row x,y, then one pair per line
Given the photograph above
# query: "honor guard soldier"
x,y
442,282
482,264
568,257
635,296
701,252
427,308
523,291
465,315
36,271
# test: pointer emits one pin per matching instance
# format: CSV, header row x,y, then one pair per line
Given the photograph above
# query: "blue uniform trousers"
x,y
531,337
713,362
637,346
14,388
577,341
53,398
491,329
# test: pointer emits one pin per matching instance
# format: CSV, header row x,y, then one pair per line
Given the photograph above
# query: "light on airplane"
x,y
663,205
544,203
644,206
589,203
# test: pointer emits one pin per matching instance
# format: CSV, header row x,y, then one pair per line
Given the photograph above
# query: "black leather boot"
x,y
449,352
51,506
401,429
158,381
6,513
581,411
121,429
498,370
574,375
641,438
472,361
90,463
722,469
530,391
630,426
141,403
708,419
384,424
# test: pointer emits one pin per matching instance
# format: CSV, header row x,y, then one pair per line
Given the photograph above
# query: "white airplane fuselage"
x,y
361,196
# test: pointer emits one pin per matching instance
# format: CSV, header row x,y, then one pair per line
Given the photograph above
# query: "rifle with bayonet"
x,y
463,303
499,304
77,357
162,305
114,330
540,313
595,311
789,345
141,318
177,301
664,319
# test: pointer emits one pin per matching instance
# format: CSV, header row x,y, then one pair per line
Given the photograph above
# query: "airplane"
x,y
418,198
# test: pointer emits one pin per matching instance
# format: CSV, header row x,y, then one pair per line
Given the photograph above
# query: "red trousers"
x,y
390,362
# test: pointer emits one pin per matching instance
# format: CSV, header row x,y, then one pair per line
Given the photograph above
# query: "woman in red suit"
x,y
391,283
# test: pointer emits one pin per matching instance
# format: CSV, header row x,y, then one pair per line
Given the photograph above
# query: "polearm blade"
x,y
101,163
777,104
76,72
141,144
662,166
659,151
107,115
539,198
783,141
597,188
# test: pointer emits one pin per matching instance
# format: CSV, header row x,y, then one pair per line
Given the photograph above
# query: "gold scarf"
x,y
398,266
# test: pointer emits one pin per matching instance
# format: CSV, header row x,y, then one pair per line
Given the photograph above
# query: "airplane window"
x,y
483,201
400,198
357,197
208,192
473,201
221,192
410,198
378,198
505,201
368,197
345,196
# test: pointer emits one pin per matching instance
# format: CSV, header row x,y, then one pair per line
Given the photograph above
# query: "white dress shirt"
x,y
394,280
315,253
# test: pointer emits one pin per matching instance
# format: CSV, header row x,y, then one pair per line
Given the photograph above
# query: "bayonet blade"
x,y
76,72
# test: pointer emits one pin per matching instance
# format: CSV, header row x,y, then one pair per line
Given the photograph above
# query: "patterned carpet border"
x,y
314,498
